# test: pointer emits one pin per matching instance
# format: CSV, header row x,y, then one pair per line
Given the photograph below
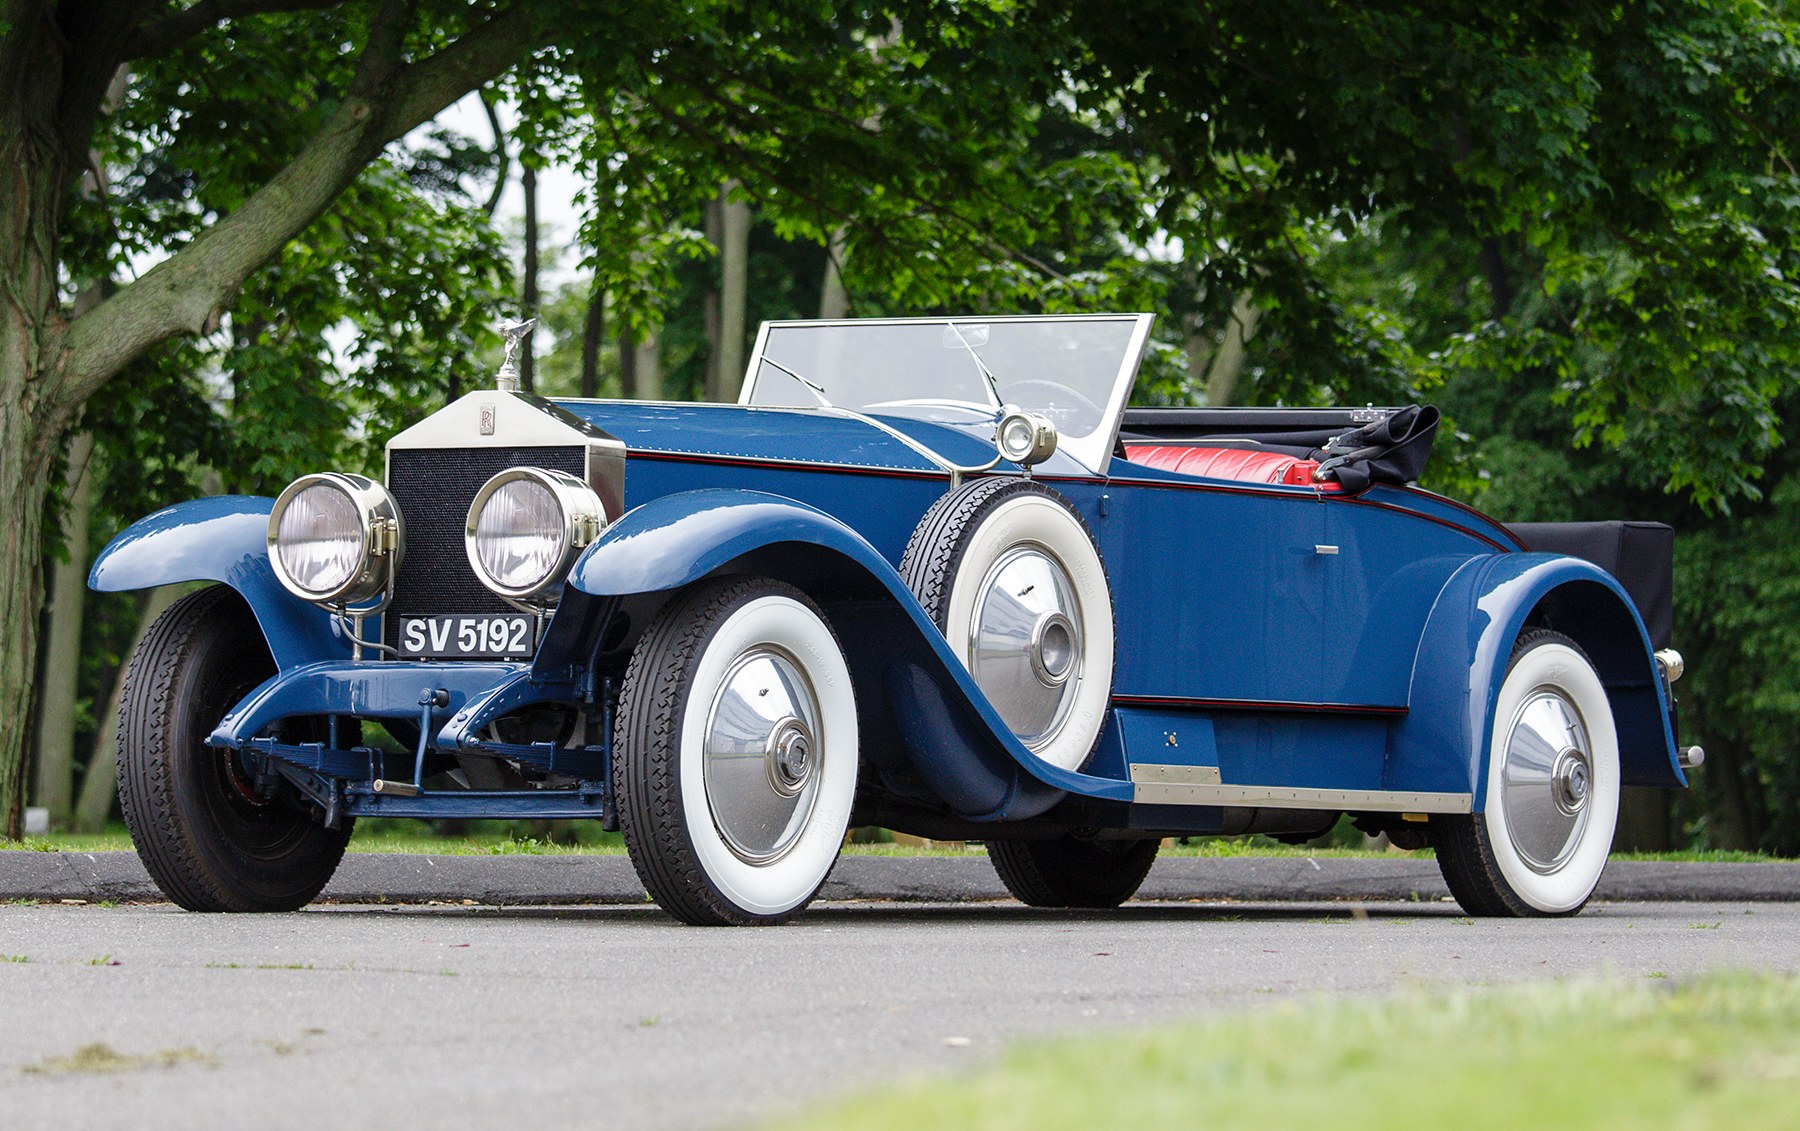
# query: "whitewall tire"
x,y
1010,573
736,753
1552,791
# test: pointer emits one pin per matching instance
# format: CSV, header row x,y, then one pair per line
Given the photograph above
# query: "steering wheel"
x,y
1067,409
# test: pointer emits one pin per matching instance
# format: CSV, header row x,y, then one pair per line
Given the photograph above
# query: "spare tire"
x,y
1010,573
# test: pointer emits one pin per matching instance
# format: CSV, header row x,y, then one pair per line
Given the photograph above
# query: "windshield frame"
x,y
1094,451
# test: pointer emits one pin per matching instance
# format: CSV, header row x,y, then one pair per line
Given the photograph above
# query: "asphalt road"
x,y
451,1017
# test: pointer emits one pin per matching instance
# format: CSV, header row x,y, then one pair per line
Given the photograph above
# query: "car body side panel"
x,y
1462,658
223,538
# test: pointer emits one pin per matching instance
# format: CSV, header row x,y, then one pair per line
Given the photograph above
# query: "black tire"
x,y
952,544
1070,872
1480,857
676,831
207,840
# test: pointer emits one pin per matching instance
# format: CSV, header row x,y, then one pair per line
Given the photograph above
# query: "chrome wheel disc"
x,y
761,755
1546,780
1026,643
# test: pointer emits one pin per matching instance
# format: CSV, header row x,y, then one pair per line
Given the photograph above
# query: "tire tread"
x,y
1067,872
647,762
150,743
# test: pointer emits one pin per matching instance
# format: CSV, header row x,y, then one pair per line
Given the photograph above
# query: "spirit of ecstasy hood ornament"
x,y
513,333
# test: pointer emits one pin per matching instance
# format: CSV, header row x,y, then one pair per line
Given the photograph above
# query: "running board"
x,y
1156,784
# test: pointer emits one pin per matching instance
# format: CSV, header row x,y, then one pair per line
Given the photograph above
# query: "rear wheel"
x,y
1542,840
1071,872
208,838
736,756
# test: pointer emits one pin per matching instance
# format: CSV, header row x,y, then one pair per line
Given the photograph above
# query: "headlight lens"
x,y
518,535
1025,437
334,538
525,527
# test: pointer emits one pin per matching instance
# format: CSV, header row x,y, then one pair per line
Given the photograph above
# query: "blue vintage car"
x,y
930,575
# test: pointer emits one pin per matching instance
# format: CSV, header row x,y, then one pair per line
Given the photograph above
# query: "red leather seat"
x,y
1247,465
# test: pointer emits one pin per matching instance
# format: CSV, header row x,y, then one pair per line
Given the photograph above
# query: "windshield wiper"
x,y
818,391
992,385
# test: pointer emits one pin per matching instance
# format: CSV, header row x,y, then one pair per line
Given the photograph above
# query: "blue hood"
x,y
792,435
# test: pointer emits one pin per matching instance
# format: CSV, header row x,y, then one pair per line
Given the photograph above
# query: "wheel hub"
x,y
1546,779
789,756
1052,648
1027,642
1569,781
761,755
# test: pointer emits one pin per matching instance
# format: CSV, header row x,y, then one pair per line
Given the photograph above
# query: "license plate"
x,y
451,636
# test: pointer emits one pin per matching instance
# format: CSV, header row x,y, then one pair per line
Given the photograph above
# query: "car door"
x,y
1218,592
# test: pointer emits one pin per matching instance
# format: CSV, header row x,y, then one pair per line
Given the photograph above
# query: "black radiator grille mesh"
x,y
434,487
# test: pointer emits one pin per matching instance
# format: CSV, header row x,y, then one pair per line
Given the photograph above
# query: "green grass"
x,y
505,838
1699,856
1720,1052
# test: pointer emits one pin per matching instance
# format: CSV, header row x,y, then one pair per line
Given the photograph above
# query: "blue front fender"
x,y
1462,659
958,742
225,539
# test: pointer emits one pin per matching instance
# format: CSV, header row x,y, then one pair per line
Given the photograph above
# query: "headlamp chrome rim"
x,y
1025,438
380,532
583,517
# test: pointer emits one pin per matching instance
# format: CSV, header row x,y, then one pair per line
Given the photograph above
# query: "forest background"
x,y
241,240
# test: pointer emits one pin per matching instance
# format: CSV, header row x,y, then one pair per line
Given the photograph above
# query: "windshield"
x,y
1076,370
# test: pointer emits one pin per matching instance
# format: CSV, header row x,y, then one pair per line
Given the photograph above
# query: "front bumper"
x,y
372,689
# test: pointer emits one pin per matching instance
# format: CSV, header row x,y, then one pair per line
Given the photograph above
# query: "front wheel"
x,y
736,751
1541,842
1071,872
207,836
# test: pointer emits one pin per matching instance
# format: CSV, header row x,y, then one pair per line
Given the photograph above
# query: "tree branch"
x,y
502,163
184,293
176,28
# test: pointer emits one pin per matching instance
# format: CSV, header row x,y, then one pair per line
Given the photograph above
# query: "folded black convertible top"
x,y
1355,447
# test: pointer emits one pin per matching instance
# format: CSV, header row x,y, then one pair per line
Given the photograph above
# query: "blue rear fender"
x,y
1443,742
225,539
915,699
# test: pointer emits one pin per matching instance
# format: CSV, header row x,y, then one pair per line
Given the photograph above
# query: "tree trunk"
x,y
32,183
628,387
734,285
712,227
529,292
62,655
834,299
23,492
646,363
101,783
1228,360
593,333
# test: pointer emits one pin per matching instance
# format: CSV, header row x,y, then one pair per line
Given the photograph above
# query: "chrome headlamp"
x,y
1025,437
525,528
335,539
